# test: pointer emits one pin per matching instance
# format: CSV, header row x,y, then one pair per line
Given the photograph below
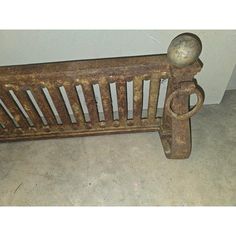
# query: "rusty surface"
x,y
175,133
174,127
185,88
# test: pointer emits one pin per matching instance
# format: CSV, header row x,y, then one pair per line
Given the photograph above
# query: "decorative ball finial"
x,y
184,50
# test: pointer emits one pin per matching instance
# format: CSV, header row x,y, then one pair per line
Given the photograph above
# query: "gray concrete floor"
x,y
128,169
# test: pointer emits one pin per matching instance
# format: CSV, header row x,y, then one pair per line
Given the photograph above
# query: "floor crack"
x,y
17,187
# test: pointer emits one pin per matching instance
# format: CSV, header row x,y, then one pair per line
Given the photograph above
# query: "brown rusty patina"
x,y
173,126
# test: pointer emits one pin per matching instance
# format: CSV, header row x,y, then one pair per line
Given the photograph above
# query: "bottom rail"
x,y
78,133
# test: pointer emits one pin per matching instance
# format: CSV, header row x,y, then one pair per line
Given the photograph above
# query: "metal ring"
x,y
188,92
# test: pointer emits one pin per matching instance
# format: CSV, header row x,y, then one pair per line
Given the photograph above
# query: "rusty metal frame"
x,y
173,126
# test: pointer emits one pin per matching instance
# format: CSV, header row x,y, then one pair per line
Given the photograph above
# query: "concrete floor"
x,y
128,169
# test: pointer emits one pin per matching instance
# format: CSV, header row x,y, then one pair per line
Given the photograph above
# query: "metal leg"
x,y
175,131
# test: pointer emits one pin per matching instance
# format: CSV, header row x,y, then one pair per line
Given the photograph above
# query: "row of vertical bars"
x,y
135,99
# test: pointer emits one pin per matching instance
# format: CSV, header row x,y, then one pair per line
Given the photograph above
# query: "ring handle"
x,y
185,91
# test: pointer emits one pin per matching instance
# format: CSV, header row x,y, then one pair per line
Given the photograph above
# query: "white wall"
x,y
232,81
26,47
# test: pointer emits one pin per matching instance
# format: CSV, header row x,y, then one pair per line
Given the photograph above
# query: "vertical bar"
x,y
3,118
122,101
9,114
52,106
106,100
83,104
130,99
114,101
154,95
37,91
91,103
28,106
162,96
97,95
138,84
146,92
75,104
36,106
13,110
67,104
18,103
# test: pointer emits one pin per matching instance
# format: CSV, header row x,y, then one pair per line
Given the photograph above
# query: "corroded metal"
x,y
173,126
186,88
